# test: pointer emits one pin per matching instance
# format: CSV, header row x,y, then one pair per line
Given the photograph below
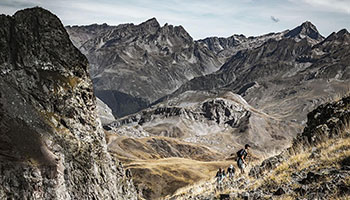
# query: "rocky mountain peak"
x,y
343,35
171,32
305,30
343,32
224,48
151,25
336,39
239,36
165,57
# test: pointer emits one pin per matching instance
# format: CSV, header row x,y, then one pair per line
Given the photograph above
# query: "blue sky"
x,y
201,18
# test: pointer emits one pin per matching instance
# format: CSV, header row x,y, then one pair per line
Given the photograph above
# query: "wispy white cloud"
x,y
18,3
331,5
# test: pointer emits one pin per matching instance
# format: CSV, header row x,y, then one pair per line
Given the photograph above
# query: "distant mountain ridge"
x,y
295,74
146,61
149,61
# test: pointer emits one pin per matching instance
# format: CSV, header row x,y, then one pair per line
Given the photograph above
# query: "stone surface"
x,y
224,48
144,62
52,145
221,120
286,76
104,112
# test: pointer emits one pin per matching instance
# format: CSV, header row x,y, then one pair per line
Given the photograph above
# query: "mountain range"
x,y
170,111
236,90
134,65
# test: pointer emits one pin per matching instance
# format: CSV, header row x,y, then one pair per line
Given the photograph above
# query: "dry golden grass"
x,y
166,176
347,181
159,174
285,197
331,153
342,198
342,94
334,151
282,173
129,149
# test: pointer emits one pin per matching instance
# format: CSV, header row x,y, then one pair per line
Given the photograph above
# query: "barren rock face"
x,y
52,145
224,48
221,120
145,61
104,112
287,76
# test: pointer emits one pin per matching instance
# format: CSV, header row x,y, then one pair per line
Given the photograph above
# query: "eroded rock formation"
x,y
52,145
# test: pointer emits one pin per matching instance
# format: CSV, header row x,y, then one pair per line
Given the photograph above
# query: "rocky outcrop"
x,y
225,48
52,145
305,31
222,120
145,61
326,122
221,111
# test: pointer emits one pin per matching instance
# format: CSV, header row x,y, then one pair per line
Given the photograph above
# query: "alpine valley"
x,y
147,112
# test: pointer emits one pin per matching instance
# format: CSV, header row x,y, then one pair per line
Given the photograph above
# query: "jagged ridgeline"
x,y
134,65
52,145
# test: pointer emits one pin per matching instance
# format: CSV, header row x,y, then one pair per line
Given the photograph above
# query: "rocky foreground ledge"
x,y
52,145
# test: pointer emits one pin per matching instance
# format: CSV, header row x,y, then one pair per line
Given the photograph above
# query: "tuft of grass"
x,y
331,154
282,174
169,176
347,197
285,197
340,94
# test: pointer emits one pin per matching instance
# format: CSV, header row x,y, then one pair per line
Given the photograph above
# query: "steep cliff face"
x,y
52,144
145,61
